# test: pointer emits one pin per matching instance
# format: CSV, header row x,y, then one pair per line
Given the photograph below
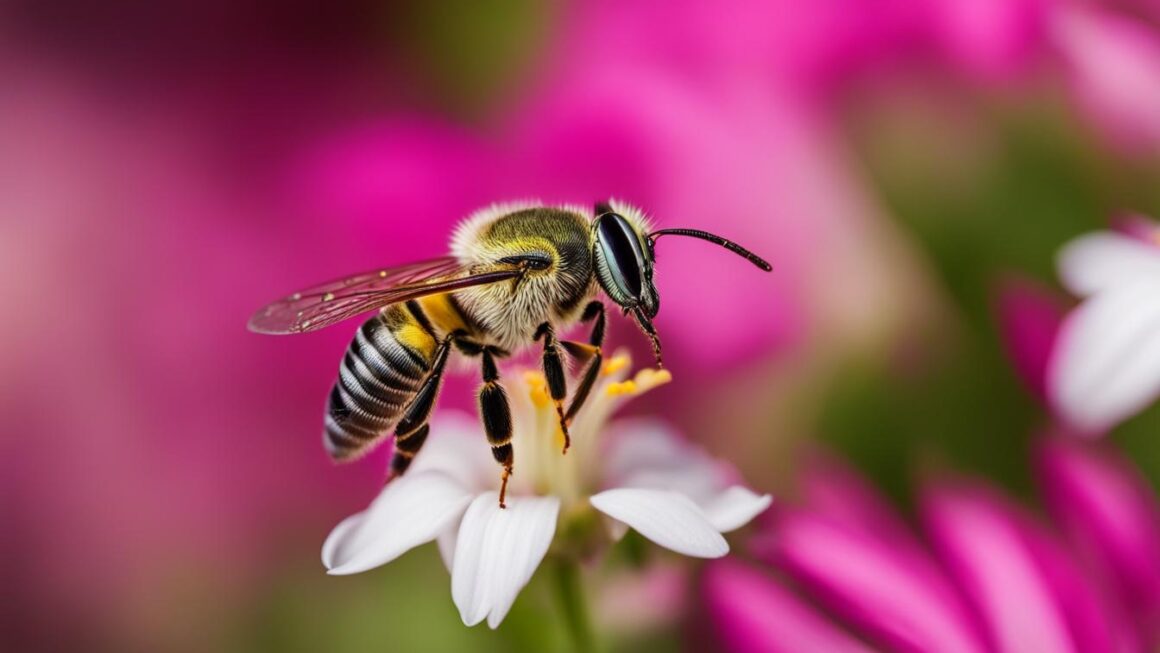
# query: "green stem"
x,y
574,606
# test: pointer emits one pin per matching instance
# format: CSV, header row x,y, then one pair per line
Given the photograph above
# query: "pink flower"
x,y
1107,509
1105,366
756,614
1112,64
990,40
988,577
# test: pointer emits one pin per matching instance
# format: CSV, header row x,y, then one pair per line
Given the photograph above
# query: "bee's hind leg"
x,y
497,419
412,429
591,353
554,375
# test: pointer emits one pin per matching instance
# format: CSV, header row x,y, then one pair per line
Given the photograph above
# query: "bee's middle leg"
x,y
497,419
554,375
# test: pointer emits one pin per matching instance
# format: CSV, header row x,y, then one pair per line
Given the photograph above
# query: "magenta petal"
x,y
901,601
993,40
754,614
399,180
830,487
1096,618
1110,514
981,544
1029,317
1114,72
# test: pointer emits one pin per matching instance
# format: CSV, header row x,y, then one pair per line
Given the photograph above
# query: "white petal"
x,y
340,534
1106,363
497,552
458,447
616,529
647,453
735,507
410,511
1105,260
446,542
668,518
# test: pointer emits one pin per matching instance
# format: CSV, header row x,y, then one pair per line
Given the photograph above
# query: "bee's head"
x,y
623,257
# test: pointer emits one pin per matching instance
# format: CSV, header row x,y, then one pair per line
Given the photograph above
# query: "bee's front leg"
x,y
497,419
649,330
554,375
592,353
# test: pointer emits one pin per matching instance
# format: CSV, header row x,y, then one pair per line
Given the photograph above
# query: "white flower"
x,y
643,475
1106,363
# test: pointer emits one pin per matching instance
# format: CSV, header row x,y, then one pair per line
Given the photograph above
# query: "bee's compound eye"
x,y
619,258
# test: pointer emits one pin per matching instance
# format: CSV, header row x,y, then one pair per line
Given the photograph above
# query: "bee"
x,y
517,276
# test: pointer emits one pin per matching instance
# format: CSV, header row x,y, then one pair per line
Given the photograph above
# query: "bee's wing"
x,y
325,304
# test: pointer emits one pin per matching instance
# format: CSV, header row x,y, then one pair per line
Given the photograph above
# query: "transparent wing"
x,y
328,303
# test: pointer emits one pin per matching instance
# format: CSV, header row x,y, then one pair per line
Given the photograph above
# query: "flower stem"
x,y
574,606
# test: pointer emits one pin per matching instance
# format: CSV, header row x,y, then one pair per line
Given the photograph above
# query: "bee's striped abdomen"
x,y
380,374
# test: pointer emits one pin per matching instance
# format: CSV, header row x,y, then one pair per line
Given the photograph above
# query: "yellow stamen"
x,y
622,388
537,389
648,378
615,364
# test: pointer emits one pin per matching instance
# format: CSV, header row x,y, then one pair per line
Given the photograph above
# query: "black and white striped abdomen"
x,y
378,377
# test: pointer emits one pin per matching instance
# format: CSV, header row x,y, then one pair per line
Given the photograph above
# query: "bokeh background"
x,y
167,167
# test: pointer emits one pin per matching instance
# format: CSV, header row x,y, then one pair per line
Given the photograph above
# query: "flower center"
x,y
571,476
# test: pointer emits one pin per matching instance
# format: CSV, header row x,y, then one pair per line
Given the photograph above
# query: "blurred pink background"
x,y
167,168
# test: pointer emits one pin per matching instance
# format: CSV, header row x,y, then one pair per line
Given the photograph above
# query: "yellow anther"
x,y
328,296
648,378
537,389
615,364
622,388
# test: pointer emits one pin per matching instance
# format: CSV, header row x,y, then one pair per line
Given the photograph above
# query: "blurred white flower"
x,y
652,481
1106,362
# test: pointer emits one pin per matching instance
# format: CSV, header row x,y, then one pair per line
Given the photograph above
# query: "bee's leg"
x,y
497,419
411,431
591,352
646,325
554,375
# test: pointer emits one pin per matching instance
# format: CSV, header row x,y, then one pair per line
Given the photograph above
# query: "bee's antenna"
x,y
716,240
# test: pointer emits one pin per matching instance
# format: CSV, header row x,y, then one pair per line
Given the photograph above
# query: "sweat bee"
x,y
517,276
